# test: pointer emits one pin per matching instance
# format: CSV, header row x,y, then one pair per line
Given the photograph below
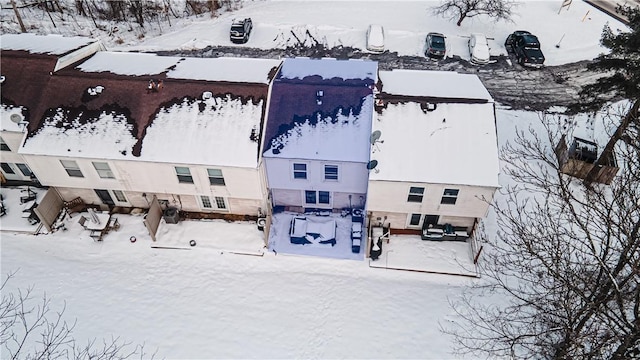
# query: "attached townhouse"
x,y
117,129
414,151
27,63
435,153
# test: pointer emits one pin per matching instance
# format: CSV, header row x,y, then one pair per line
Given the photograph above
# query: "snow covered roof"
x,y
209,69
319,116
38,44
454,144
114,116
215,130
299,68
124,63
225,69
435,84
6,121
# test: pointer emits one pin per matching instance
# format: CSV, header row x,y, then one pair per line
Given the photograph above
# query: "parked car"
x,y
435,45
240,30
375,38
478,48
526,48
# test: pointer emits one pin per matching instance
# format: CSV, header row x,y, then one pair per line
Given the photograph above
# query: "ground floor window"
x,y
119,196
415,219
215,203
317,197
24,169
7,169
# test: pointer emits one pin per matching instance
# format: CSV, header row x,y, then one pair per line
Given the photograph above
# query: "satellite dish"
x,y
375,136
372,164
16,118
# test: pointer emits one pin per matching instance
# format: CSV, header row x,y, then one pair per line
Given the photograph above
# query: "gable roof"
x,y
88,111
321,110
454,144
57,45
443,85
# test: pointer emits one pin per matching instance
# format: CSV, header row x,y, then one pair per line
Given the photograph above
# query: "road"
x,y
509,84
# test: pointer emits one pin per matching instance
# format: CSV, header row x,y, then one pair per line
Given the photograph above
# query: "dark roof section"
x,y
295,99
67,89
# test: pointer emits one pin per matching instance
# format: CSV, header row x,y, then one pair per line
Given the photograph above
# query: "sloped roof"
x,y
37,44
434,84
454,144
321,110
187,121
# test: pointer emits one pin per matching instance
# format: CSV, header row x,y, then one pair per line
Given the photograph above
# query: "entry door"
x,y
431,219
105,197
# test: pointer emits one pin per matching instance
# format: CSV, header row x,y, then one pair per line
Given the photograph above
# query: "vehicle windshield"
x,y
239,27
437,42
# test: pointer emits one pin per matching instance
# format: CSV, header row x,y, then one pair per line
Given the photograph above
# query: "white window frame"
x,y
71,166
183,176
411,215
413,192
218,203
117,198
305,171
103,173
216,179
329,176
451,198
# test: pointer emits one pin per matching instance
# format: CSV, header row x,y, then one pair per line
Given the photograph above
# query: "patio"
x,y
17,211
410,252
280,240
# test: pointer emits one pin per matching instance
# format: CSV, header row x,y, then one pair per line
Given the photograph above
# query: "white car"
x,y
478,49
375,38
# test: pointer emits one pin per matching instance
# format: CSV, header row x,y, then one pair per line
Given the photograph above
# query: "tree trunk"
x,y
462,17
15,10
607,153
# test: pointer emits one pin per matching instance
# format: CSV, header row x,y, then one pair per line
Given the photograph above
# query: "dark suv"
x,y
240,31
526,48
435,46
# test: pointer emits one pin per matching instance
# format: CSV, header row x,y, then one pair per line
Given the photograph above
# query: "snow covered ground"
x,y
344,23
210,301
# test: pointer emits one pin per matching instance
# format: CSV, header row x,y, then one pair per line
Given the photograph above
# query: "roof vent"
x,y
207,95
95,91
2,79
319,95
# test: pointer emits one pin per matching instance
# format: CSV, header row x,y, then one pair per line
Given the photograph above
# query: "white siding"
x,y
387,198
352,176
13,140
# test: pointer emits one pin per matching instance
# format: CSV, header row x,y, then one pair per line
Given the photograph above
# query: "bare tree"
x,y
565,266
30,329
462,9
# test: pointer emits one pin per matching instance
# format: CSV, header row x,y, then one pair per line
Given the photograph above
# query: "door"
x,y
105,197
431,220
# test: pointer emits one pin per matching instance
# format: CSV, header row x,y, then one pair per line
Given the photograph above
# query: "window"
x,y
103,169
331,172
220,202
215,177
450,196
119,196
316,197
415,220
323,197
184,175
3,145
72,168
24,169
7,168
206,202
299,171
310,197
415,194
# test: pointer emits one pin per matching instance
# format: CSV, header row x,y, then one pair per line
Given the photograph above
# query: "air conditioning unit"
x,y
171,215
